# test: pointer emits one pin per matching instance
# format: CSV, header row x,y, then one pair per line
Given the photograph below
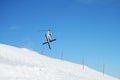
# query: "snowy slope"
x,y
24,64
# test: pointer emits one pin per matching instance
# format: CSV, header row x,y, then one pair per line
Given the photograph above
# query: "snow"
x,y
24,64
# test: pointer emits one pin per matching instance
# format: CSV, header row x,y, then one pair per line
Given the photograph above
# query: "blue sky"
x,y
83,28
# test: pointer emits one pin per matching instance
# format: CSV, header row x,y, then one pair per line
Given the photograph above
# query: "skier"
x,y
49,35
48,38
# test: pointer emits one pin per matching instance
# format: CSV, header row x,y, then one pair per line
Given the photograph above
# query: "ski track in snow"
x,y
24,64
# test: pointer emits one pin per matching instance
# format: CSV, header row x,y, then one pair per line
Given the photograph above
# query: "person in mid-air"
x,y
49,39
49,35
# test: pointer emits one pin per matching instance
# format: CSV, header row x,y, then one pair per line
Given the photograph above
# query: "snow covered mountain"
x,y
24,64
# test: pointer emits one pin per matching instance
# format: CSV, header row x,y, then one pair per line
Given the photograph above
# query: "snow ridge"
x,y
24,64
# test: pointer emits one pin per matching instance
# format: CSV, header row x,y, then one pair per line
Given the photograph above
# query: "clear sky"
x,y
83,28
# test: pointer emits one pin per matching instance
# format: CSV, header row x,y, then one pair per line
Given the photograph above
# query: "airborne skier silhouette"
x,y
49,39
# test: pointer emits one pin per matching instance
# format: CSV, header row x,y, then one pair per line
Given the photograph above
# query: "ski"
x,y
47,42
